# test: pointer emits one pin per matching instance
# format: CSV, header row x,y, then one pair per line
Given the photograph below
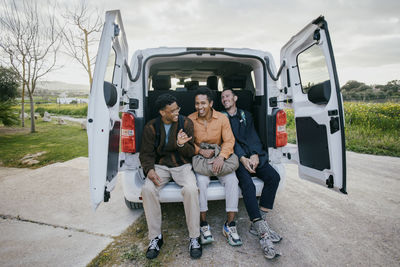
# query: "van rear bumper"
x,y
133,182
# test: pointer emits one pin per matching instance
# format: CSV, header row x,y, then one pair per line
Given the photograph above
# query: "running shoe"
x,y
205,235
195,248
231,234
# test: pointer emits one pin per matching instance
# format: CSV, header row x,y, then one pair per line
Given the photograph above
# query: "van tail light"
x,y
281,134
128,143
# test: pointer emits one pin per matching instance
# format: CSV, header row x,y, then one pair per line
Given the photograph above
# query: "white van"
x,y
123,94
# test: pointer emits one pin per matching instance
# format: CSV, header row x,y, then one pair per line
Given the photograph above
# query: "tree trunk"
x,y
33,129
23,93
23,105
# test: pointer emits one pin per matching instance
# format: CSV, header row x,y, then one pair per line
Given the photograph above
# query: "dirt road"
x,y
320,227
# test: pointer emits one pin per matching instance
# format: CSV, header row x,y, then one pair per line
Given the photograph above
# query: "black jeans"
x,y
271,180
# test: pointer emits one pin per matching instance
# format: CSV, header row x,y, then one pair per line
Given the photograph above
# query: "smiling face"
x,y
228,99
170,113
203,106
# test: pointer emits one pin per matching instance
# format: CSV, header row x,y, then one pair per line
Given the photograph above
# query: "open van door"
x,y
103,122
309,76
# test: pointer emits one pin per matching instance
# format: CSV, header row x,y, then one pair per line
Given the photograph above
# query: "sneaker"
x,y
195,248
231,234
154,247
205,235
274,236
268,247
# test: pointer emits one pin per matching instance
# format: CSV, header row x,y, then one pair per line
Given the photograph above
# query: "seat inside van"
x,y
217,75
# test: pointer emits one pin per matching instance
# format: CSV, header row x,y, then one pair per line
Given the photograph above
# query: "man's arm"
x,y
254,143
228,139
147,154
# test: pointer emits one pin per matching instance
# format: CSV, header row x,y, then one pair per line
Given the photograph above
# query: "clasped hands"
x,y
251,163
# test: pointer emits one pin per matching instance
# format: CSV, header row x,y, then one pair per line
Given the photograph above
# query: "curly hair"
x,y
164,100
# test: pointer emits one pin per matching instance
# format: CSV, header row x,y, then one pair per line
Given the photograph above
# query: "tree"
x,y
81,34
30,40
9,82
8,91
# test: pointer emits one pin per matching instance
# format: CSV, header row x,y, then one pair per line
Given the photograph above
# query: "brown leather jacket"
x,y
168,154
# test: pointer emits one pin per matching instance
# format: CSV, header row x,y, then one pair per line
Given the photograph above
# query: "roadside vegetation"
x,y
371,128
59,142
74,110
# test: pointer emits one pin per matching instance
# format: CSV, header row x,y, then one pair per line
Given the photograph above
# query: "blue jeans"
x,y
271,180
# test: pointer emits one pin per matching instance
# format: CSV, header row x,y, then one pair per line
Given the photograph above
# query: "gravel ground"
x,y
320,227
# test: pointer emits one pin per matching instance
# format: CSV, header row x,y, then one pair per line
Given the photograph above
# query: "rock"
x,y
83,125
30,161
61,121
31,156
46,116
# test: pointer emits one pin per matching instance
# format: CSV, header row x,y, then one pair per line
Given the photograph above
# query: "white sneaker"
x,y
205,235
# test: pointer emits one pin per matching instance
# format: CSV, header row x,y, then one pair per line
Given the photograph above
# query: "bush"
x,y
7,115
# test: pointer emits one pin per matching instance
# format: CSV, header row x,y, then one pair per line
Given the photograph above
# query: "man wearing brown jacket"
x,y
166,153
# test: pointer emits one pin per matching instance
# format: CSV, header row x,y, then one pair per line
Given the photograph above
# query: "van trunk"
x,y
181,75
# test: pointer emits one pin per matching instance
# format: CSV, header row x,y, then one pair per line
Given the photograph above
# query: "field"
x,y
74,110
371,128
60,142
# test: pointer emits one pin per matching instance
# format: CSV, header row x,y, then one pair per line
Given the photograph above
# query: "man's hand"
x,y
153,176
217,163
255,161
207,153
182,138
247,164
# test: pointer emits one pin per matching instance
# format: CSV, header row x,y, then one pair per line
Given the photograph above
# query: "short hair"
x,y
204,90
230,89
164,100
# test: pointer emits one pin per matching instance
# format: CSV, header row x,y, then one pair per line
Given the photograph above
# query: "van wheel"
x,y
133,205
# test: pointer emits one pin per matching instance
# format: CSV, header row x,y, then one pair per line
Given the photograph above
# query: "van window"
x,y
109,76
312,67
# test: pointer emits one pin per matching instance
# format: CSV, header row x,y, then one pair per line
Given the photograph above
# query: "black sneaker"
x,y
154,247
195,248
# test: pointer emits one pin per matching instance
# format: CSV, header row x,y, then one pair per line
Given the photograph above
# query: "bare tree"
x,y
30,39
81,34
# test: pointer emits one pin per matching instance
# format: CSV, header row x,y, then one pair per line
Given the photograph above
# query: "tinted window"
x,y
312,67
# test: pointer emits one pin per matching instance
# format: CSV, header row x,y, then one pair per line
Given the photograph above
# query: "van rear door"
x,y
310,79
103,121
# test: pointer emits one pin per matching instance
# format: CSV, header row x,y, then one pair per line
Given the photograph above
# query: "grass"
x,y
74,110
61,143
130,247
371,128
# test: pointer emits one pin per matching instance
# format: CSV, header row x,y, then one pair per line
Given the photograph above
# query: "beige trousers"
x,y
183,176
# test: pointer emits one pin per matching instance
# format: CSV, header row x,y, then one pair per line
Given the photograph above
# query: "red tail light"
x,y
281,135
128,143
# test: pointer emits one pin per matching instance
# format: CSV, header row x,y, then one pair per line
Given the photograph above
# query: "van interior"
x,y
182,78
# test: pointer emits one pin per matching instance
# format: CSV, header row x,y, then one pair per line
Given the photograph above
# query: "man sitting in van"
x,y
212,127
253,160
167,151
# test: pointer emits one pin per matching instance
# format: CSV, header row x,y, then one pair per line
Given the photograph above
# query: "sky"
x,y
365,34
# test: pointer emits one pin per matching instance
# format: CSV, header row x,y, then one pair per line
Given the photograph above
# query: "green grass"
x,y
371,128
61,143
74,110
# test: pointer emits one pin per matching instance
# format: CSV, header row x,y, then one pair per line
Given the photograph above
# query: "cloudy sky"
x,y
365,33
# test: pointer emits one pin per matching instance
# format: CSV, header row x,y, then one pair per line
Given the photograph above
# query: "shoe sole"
x,y
270,258
229,241
206,241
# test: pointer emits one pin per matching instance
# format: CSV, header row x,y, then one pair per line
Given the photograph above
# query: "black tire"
x,y
133,205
